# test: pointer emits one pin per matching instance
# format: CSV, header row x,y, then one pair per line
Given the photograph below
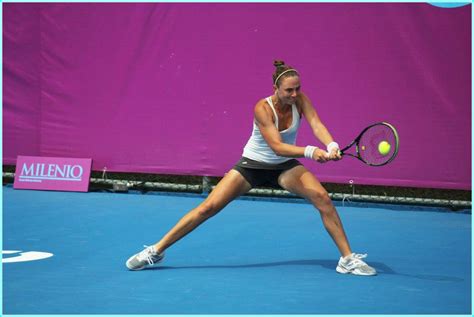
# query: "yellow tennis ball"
x,y
384,147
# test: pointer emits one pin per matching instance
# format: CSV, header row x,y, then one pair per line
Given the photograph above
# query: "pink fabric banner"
x,y
52,173
170,87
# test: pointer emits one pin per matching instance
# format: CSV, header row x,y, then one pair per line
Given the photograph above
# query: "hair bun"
x,y
278,63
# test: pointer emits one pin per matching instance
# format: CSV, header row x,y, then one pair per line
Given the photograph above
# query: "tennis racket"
x,y
376,145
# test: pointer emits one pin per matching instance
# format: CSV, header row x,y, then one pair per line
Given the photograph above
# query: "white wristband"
x,y
309,151
331,146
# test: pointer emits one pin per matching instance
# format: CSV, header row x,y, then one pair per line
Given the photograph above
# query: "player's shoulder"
x,y
262,110
262,106
302,101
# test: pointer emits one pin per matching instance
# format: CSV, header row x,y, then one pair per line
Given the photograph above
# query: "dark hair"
x,y
280,68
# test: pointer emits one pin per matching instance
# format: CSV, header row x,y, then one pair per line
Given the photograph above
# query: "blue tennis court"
x,y
255,257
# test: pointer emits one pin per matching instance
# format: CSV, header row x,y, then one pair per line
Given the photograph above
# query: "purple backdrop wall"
x,y
170,88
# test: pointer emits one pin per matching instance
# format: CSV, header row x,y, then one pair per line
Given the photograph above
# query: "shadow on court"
x,y
328,264
381,268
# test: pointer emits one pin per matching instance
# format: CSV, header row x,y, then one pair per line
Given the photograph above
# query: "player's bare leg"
x,y
300,181
230,187
303,183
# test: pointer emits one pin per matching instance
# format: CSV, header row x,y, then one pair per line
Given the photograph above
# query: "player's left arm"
x,y
319,129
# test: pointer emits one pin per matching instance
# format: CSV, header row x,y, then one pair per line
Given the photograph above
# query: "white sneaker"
x,y
353,264
145,259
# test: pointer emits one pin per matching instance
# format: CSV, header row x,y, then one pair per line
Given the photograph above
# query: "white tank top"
x,y
257,148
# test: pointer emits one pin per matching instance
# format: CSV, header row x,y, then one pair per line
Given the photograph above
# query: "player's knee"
x,y
320,198
207,209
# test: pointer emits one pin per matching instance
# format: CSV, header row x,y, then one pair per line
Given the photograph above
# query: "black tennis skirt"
x,y
260,174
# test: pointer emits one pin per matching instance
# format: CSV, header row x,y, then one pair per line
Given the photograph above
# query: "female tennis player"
x,y
269,159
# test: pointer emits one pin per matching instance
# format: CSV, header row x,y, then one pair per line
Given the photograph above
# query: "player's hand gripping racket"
x,y
376,145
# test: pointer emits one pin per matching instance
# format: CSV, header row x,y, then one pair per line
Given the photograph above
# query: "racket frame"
x,y
357,140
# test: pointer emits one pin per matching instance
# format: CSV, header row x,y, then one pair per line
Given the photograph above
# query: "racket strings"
x,y
368,145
